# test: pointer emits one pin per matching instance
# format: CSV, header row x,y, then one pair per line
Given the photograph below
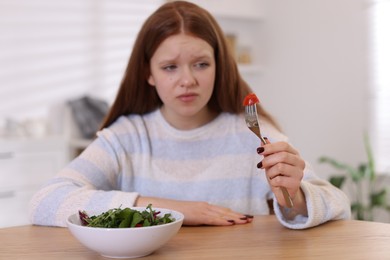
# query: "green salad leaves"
x,y
125,218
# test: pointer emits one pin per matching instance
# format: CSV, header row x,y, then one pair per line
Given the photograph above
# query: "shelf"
x,y
80,143
31,144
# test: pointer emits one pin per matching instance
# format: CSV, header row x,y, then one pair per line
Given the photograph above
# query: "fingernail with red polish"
x,y
231,221
260,150
260,165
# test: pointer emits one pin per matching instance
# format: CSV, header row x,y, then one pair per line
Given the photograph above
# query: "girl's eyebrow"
x,y
203,57
166,61
195,57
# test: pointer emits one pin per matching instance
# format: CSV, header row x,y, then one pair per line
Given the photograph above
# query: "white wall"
x,y
316,75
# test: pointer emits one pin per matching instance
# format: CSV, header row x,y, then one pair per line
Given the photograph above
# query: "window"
x,y
380,106
52,50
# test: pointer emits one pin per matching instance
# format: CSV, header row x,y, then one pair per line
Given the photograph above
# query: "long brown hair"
x,y
137,96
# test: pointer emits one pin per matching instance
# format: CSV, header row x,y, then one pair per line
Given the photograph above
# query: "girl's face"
x,y
183,72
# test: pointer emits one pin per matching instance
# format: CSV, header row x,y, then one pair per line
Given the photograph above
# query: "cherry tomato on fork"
x,y
251,99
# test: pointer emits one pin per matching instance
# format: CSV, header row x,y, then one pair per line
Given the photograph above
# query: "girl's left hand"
x,y
283,168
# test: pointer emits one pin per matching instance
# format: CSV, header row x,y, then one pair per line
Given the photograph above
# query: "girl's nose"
x,y
187,78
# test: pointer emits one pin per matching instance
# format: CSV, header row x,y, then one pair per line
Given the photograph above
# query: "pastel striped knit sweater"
x,y
144,155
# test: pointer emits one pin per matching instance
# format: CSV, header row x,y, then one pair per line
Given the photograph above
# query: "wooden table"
x,y
265,238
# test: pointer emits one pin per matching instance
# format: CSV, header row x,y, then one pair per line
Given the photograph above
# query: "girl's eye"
x,y
202,64
169,67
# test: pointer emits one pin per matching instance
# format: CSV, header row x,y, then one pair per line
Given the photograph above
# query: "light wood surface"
x,y
264,238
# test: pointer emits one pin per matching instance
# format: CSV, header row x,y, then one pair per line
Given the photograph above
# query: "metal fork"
x,y
252,121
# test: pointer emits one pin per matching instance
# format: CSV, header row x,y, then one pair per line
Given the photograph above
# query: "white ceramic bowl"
x,y
125,242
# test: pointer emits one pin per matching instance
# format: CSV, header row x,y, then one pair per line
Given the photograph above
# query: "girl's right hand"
x,y
198,213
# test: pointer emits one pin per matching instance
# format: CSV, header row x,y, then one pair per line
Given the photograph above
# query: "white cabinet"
x,y
243,19
25,164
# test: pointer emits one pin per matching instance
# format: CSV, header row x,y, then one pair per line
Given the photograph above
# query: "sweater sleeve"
x,y
88,183
324,203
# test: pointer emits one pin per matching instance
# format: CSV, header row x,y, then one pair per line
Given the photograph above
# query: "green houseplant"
x,y
365,194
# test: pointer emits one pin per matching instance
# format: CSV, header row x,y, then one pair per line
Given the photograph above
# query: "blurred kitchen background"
x,y
319,66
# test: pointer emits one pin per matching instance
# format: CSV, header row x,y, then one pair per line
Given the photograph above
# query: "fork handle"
x,y
287,198
286,195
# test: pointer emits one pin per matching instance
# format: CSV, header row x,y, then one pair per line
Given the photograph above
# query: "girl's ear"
x,y
151,81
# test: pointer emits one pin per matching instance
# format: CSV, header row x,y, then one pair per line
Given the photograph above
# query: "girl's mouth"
x,y
187,97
